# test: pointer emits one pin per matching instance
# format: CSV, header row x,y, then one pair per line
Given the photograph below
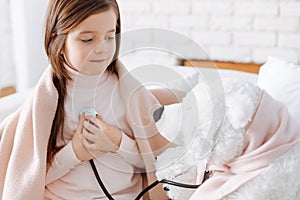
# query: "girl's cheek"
x,y
85,53
112,48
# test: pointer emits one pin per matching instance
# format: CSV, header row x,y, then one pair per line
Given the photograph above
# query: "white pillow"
x,y
11,103
281,80
193,75
189,78
175,78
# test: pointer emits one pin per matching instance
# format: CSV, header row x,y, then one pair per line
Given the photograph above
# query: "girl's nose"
x,y
100,48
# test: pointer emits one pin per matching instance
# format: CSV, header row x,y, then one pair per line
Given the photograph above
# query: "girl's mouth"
x,y
98,60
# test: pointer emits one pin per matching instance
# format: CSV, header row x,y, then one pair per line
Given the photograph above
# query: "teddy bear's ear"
x,y
158,113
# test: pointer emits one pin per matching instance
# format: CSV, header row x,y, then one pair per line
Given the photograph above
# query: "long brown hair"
x,y
62,17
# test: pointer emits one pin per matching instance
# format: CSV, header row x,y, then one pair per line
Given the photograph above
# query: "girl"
x,y
45,146
89,48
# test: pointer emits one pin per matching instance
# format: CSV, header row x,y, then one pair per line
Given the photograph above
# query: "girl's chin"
x,y
92,71
93,68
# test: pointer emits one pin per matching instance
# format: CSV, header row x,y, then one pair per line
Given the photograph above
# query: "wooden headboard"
x,y
7,91
245,67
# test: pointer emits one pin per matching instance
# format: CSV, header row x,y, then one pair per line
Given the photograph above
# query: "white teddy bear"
x,y
209,128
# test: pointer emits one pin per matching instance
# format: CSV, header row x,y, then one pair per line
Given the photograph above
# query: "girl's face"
x,y
90,46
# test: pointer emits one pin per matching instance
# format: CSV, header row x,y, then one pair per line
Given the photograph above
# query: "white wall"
x,y
229,30
7,71
30,61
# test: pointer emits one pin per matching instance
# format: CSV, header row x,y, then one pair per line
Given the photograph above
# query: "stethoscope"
x,y
152,185
157,114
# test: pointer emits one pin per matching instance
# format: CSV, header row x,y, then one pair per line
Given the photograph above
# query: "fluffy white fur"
x,y
213,130
275,182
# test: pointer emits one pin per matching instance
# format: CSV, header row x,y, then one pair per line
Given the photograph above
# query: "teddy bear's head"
x,y
208,126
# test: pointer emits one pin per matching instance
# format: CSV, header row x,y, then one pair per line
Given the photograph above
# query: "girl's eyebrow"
x,y
85,32
112,30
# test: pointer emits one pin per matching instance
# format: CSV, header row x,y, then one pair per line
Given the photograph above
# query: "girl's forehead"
x,y
101,22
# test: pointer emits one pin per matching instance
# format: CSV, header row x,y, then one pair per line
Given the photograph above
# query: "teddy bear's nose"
x,y
157,113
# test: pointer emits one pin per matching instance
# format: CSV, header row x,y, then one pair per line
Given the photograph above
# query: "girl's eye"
x,y
87,40
110,38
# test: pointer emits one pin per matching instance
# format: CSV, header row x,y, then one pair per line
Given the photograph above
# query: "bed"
x,y
278,77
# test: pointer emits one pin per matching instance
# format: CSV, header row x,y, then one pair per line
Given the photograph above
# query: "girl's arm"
x,y
62,163
158,144
129,152
104,137
166,96
68,157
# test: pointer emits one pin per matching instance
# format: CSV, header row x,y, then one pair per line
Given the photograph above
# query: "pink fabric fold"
x,y
23,145
24,135
271,133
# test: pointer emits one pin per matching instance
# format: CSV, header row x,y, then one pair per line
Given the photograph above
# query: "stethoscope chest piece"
x,y
89,111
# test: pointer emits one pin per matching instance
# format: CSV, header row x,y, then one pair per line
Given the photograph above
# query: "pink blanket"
x,y
271,133
24,135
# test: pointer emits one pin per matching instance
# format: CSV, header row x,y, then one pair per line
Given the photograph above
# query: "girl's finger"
x,y
85,143
90,127
81,120
95,120
89,136
94,147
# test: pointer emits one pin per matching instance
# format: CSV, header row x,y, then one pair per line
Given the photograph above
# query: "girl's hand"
x,y
99,137
79,149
